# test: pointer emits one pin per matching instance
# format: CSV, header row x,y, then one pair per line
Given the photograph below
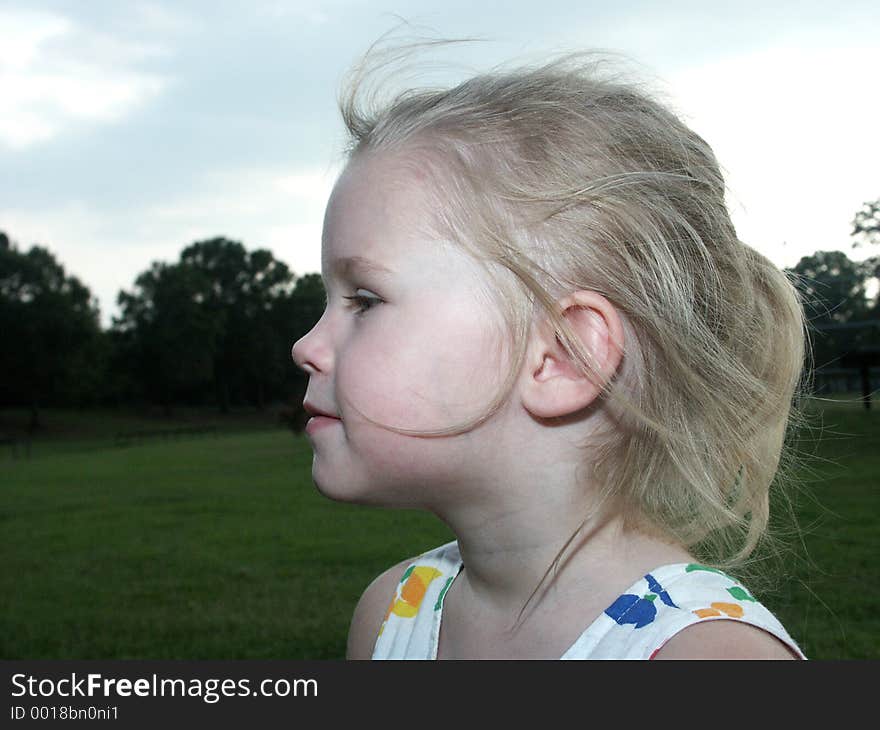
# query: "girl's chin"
x,y
365,496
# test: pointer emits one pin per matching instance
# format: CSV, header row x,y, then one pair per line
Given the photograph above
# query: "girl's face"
x,y
409,338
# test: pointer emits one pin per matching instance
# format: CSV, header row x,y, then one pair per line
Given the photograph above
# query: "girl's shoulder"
x,y
371,609
686,611
725,620
725,639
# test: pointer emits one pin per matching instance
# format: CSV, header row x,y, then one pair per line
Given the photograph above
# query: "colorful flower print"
x,y
741,594
734,610
439,604
736,591
630,609
413,586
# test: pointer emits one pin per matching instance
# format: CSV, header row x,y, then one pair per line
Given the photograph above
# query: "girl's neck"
x,y
531,518
493,610
510,569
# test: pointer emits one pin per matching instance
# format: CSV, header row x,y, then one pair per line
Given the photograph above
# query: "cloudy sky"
x,y
129,130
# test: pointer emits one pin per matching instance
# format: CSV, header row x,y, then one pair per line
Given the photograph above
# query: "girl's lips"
x,y
315,411
318,422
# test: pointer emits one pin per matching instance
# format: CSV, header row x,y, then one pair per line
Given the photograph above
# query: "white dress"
x,y
652,611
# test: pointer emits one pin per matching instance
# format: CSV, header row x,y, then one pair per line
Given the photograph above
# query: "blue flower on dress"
x,y
654,586
630,609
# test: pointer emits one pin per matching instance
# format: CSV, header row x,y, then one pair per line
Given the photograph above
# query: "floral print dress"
x,y
635,626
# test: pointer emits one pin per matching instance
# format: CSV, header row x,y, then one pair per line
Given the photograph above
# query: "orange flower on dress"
x,y
718,608
411,591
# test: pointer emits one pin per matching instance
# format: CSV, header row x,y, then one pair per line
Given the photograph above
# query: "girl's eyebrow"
x,y
346,266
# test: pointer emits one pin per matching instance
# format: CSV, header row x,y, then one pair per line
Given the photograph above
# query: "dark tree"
x,y
307,303
167,338
833,287
833,291
213,321
51,333
242,288
843,331
866,224
293,316
866,232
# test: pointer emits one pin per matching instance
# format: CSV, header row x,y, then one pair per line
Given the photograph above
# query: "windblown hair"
x,y
562,177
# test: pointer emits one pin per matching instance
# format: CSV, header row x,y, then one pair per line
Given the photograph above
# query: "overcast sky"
x,y
129,130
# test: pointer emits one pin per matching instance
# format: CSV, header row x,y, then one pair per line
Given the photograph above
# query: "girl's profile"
x,y
542,327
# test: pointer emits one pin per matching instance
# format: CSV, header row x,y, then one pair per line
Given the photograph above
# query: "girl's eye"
x,y
363,302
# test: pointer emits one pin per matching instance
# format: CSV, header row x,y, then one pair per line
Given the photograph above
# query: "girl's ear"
x,y
553,384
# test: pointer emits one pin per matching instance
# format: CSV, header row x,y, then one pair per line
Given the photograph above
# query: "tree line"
x,y
841,301
216,327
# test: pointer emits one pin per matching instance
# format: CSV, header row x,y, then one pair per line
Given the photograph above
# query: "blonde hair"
x,y
560,177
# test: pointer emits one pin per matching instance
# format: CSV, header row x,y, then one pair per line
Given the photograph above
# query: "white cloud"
x,y
278,209
54,73
794,128
102,248
161,19
255,199
309,12
23,33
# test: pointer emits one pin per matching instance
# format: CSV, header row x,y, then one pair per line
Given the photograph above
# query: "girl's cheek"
x,y
422,378
386,382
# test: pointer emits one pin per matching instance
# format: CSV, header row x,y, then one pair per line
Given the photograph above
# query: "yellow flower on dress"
x,y
410,592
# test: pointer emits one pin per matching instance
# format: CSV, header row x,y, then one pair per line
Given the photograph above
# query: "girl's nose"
x,y
310,353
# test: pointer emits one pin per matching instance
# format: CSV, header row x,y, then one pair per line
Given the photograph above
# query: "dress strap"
x,y
665,602
411,628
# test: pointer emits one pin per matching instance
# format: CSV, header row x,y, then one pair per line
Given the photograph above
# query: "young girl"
x,y
541,327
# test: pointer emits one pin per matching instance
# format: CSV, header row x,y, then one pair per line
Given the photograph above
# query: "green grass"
x,y
830,597
213,548
220,548
77,431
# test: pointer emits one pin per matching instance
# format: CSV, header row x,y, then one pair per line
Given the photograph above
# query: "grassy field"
x,y
215,547
219,547
830,600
